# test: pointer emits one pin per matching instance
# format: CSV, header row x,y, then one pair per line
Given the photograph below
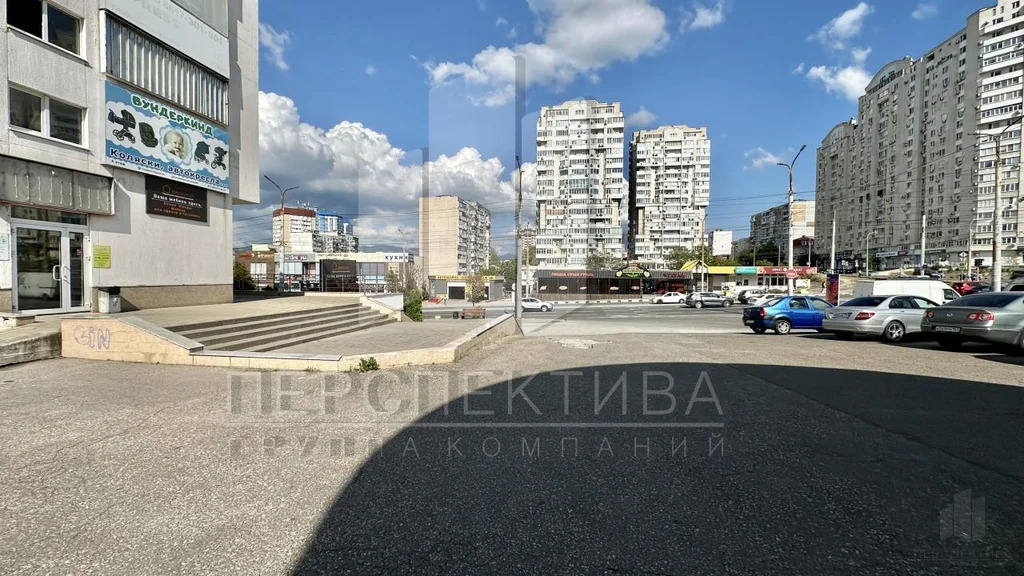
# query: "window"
x,y
798,304
137,59
47,116
46,22
820,304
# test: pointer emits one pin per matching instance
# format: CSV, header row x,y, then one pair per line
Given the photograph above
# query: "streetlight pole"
x,y
519,239
789,281
283,191
867,253
997,213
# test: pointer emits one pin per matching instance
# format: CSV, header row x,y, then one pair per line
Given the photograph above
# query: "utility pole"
x,y
997,220
832,260
924,233
789,281
283,191
519,238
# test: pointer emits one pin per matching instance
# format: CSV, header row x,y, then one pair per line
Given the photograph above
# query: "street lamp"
x,y
997,213
789,281
283,191
867,252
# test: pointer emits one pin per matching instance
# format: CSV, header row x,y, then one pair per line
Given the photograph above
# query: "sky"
x,y
354,96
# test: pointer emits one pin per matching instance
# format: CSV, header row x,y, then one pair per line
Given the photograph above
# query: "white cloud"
x,y
640,118
501,22
511,33
703,17
848,81
759,158
352,165
860,55
371,70
924,11
799,69
842,28
580,38
275,42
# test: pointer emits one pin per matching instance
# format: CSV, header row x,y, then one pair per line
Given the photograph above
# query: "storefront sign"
x,y
100,256
633,271
781,270
166,198
572,274
147,135
886,254
457,278
746,270
398,257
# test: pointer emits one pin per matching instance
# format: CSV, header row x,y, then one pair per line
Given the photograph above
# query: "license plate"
x,y
842,315
953,329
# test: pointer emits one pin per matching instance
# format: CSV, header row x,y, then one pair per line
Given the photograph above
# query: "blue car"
x,y
785,314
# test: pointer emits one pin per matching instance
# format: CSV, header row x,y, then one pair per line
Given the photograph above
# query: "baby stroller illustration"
x,y
147,134
202,149
218,159
126,121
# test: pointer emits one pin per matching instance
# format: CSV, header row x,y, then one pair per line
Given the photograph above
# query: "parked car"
x,y
669,298
963,288
933,290
996,317
535,304
892,317
702,299
786,313
979,289
748,295
762,299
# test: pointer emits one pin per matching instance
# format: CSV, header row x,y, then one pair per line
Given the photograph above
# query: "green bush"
x,y
243,280
414,305
368,365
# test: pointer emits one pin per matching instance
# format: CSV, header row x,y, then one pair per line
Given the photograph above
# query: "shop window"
x,y
45,21
45,115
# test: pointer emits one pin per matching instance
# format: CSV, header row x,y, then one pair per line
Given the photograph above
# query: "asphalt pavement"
x,y
583,454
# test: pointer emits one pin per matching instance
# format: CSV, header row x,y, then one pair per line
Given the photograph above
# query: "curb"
x,y
595,301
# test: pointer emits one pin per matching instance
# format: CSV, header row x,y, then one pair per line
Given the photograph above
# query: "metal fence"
x,y
304,283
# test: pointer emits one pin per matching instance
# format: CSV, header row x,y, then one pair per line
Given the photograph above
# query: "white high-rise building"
x,y
720,243
669,190
579,183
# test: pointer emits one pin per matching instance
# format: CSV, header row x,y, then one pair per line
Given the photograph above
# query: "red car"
x,y
965,287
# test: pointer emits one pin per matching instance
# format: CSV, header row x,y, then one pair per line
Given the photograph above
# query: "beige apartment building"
x,y
772,225
912,162
454,236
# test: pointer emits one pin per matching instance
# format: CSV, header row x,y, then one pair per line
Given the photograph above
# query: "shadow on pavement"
x,y
802,471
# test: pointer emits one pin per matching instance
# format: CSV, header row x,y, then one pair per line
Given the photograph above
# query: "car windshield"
x,y
986,300
865,302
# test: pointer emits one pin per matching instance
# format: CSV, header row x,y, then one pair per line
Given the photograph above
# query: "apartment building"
x,y
293,228
772,225
579,183
454,236
720,243
911,165
669,191
116,174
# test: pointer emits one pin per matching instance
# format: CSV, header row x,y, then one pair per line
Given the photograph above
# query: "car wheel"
x,y
843,335
726,304
698,304
544,308
783,327
950,343
1018,350
759,329
895,331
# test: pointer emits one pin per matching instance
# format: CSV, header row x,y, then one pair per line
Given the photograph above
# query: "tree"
x,y
531,255
243,280
391,282
414,305
679,256
475,288
600,261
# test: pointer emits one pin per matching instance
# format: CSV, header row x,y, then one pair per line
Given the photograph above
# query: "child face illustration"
x,y
174,143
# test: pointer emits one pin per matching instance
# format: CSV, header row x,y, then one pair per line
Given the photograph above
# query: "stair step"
x,y
215,323
323,335
288,327
316,332
208,335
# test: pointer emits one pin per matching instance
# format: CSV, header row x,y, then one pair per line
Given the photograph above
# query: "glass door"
x,y
50,269
40,287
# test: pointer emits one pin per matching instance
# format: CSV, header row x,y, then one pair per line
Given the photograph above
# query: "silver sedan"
x,y
892,317
996,317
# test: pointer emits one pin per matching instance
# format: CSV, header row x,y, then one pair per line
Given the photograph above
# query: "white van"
x,y
934,290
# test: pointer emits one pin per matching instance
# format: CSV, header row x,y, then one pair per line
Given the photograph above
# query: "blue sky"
x,y
764,77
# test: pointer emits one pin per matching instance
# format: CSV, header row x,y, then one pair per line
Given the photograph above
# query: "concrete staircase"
x,y
271,332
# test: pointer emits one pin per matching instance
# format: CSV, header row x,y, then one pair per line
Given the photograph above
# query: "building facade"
x,y
454,236
118,175
720,243
579,183
772,225
912,168
293,228
669,191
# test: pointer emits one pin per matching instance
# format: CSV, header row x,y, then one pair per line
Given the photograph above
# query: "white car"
x,y
534,304
669,298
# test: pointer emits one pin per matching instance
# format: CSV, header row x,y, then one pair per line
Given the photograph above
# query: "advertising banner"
x,y
832,289
167,198
147,135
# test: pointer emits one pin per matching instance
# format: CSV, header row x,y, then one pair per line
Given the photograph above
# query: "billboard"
x,y
167,198
147,135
